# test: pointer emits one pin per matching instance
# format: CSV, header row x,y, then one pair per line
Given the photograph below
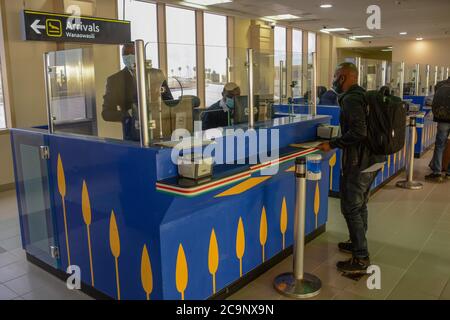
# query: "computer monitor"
x,y
241,109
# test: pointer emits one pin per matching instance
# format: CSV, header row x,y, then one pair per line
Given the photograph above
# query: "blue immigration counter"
x,y
136,230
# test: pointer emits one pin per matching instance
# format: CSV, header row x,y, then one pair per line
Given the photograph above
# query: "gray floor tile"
x,y
395,256
6,293
7,258
345,295
11,243
445,295
12,271
30,282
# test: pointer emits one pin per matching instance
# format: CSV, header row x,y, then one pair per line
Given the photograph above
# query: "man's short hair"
x,y
127,46
348,66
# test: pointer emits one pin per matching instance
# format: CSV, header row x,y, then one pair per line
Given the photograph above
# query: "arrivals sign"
x,y
44,26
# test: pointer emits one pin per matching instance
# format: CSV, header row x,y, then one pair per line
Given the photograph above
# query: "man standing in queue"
x,y
121,95
359,166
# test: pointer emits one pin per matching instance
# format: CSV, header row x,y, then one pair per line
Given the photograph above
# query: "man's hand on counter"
x,y
324,146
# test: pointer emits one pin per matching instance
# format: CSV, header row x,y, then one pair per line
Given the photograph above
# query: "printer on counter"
x,y
328,132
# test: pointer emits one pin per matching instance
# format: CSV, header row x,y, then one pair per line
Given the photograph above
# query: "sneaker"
x,y
346,247
447,176
354,265
434,177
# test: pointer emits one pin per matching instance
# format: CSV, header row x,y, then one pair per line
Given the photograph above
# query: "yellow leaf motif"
x,y
240,240
389,163
114,240
395,160
317,200
283,217
146,272
332,162
213,254
86,205
263,227
61,178
181,273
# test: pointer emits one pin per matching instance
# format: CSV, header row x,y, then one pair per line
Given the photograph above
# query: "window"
x,y
143,25
297,61
181,51
216,54
2,107
279,55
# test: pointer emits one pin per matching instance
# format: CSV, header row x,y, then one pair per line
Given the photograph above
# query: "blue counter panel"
x,y
133,242
426,132
394,164
420,100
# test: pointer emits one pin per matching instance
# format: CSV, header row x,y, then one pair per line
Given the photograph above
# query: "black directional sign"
x,y
45,26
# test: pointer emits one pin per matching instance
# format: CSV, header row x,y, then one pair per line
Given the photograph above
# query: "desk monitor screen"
x,y
241,109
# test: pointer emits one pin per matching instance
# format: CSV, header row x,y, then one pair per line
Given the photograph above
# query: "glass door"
x,y
36,219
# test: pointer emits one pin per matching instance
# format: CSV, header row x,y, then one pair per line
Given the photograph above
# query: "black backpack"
x,y
441,102
386,123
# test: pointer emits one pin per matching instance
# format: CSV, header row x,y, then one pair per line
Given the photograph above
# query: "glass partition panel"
x,y
423,75
325,93
280,64
70,88
409,85
433,79
265,92
297,63
394,71
297,78
308,74
372,73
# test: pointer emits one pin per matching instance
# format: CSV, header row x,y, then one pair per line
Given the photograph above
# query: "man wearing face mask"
x,y
121,94
359,166
221,114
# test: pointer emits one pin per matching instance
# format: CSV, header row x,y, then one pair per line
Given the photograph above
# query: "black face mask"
x,y
337,85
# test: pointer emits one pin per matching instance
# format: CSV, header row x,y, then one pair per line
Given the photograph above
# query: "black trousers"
x,y
355,189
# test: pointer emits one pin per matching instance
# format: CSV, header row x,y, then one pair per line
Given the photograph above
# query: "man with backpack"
x,y
441,114
360,165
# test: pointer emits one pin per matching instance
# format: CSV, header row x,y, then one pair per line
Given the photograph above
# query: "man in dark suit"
x,y
120,99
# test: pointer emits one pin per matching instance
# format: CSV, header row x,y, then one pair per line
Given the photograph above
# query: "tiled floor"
x,y
20,279
409,233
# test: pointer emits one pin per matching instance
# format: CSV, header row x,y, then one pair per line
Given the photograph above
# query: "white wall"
x,y
6,166
433,52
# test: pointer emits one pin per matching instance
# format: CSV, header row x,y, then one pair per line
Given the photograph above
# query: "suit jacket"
x,y
121,93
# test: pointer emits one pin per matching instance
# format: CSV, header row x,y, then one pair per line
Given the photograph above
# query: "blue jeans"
x,y
443,132
355,190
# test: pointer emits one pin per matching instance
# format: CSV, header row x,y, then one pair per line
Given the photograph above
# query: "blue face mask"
x,y
229,102
129,61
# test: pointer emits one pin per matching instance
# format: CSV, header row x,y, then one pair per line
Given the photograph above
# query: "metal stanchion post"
x,y
409,183
251,117
299,284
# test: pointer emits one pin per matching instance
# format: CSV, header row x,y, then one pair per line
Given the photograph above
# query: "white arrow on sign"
x,y
36,26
